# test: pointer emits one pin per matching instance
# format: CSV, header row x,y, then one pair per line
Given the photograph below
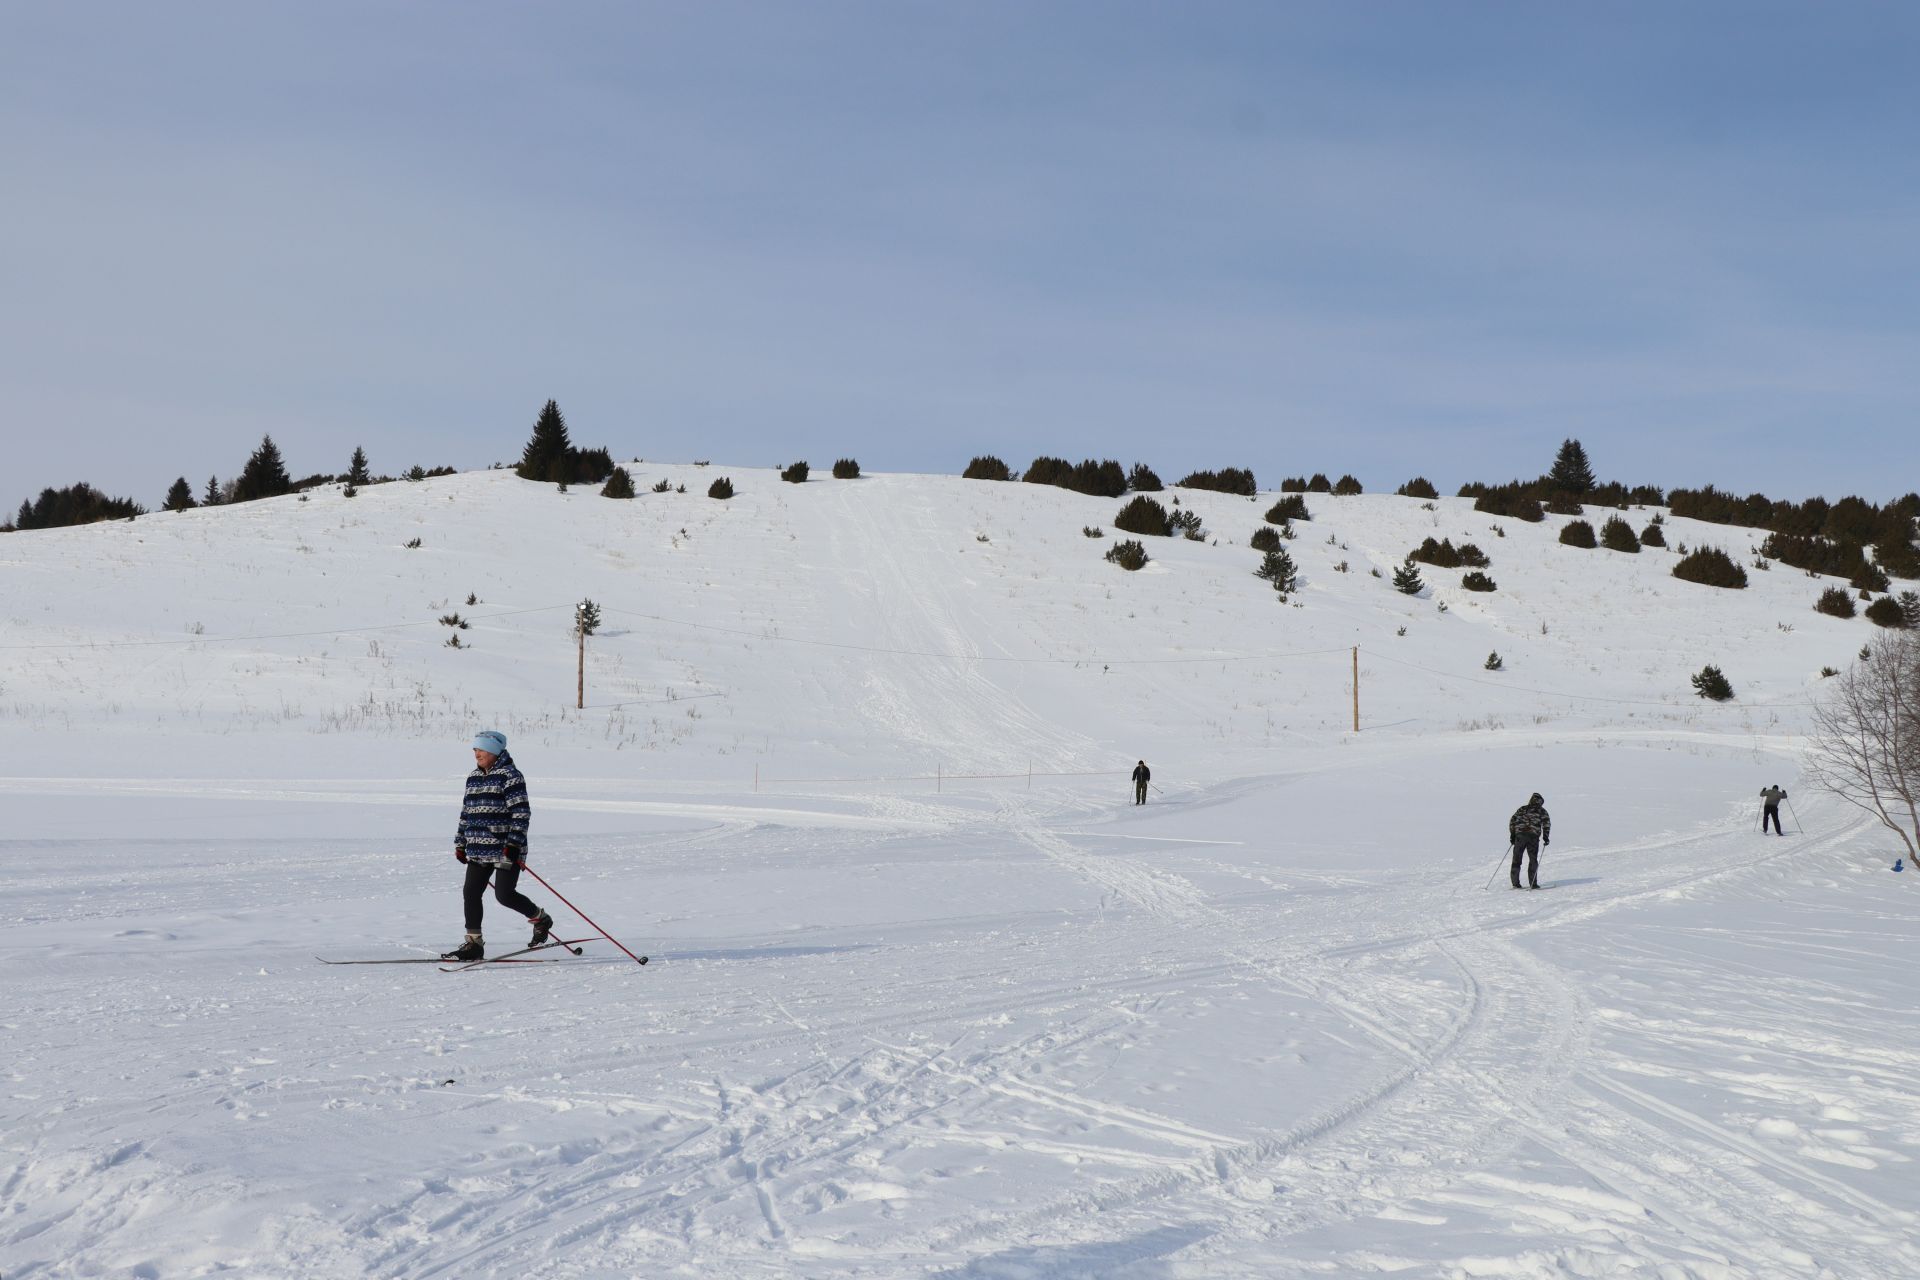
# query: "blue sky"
x,y
1386,239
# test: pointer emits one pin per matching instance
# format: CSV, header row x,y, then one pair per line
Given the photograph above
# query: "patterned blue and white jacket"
x,y
495,814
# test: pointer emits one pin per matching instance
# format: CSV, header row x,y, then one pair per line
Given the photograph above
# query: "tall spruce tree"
x,y
1571,472
211,498
180,496
265,475
357,467
548,454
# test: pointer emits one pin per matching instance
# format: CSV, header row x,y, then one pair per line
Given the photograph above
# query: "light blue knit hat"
x,y
491,741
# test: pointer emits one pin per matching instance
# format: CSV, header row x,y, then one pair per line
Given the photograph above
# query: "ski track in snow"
x,y
1268,1026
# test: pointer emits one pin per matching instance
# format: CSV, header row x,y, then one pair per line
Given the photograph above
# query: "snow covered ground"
x,y
903,1019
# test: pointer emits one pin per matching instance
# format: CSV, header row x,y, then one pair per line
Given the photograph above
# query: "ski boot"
x,y
474,948
542,927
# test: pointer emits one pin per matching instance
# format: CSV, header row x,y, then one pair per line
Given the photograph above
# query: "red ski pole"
x,y
583,915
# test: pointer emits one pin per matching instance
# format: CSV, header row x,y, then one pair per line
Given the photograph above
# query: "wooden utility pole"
x,y
1356,688
580,683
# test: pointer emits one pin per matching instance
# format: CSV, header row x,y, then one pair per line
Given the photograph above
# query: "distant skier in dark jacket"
x,y
1141,776
492,842
1528,829
1770,809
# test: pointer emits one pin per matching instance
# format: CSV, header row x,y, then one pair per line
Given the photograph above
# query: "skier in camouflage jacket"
x,y
1528,829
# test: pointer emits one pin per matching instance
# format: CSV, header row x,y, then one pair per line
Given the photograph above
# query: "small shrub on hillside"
x,y
846,469
1560,504
1319,483
1835,603
1828,673
1226,480
1346,487
1294,484
663,486
1092,531
1128,555
1711,683
1144,516
1871,578
986,467
1441,554
1511,499
721,488
1143,480
1711,567
1277,568
1291,507
1886,612
1186,522
1652,535
1617,535
453,620
1478,581
795,474
1473,557
1578,533
1406,580
1265,538
1493,662
1418,487
619,484
413,545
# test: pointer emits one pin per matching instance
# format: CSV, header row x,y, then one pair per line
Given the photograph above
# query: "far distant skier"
x,y
1528,829
492,842
1770,809
1141,776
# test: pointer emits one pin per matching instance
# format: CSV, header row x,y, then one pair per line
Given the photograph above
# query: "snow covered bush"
x,y
1711,567
1478,581
1128,555
1578,533
1265,538
1835,603
1711,683
1494,662
721,488
1145,516
1092,531
1187,523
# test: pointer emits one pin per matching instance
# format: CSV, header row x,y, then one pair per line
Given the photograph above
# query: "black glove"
x,y
460,852
516,858
1546,839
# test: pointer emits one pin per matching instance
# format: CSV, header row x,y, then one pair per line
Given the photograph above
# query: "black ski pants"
x,y
1528,843
1770,813
1139,793
506,881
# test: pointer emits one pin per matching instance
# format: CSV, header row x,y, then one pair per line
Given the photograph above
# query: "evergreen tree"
x,y
1571,472
586,617
619,484
180,497
1278,569
1406,579
1494,662
357,468
1711,683
211,498
265,475
548,452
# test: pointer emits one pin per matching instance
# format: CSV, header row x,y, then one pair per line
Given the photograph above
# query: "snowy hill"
x,y
929,996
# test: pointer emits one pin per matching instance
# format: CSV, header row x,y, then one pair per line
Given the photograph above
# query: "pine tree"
x,y
1277,568
548,452
1711,683
265,475
180,496
211,498
357,468
1494,662
586,617
1406,579
619,484
1571,472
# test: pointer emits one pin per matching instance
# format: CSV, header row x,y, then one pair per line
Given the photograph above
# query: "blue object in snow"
x,y
1897,866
